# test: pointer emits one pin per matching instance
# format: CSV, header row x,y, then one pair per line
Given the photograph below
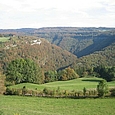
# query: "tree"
x,y
50,76
107,73
102,88
68,74
84,91
24,70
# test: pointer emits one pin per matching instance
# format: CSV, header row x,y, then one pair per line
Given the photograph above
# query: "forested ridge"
x,y
80,41
104,57
48,56
55,51
94,46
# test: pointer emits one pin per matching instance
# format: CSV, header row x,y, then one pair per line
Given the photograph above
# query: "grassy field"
x,y
76,84
17,105
4,39
23,105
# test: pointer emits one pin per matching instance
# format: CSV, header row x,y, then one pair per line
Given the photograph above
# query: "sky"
x,y
15,14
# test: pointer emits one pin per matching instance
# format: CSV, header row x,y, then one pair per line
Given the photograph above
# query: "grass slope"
x,y
76,84
4,39
15,105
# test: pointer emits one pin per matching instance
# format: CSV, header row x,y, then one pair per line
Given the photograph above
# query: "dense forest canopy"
x,y
77,40
81,49
48,56
23,70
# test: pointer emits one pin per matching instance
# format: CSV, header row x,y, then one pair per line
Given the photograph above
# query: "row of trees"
x,y
101,91
26,70
6,35
62,75
104,72
101,71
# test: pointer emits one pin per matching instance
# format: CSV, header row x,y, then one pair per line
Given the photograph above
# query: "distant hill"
x,y
93,46
47,55
80,41
104,57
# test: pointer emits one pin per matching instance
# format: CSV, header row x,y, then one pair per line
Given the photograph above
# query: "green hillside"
x,y
80,41
104,57
45,54
93,46
76,84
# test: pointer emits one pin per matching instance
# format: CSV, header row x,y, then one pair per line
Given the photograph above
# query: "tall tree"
x,y
102,88
107,73
68,74
24,70
50,76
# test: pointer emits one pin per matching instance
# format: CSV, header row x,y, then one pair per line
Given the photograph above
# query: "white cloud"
x,y
41,13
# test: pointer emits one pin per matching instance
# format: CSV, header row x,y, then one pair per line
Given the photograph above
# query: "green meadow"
x,y
24,105
76,84
19,105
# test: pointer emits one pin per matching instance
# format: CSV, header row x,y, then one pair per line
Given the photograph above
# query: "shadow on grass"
x,y
91,80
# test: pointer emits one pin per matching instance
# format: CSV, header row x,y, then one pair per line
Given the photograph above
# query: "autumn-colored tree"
x,y
50,76
68,74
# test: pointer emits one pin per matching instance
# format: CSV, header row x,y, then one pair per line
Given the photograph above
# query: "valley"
x,y
57,70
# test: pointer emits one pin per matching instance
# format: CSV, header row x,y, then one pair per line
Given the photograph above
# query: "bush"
x,y
7,83
112,91
102,88
8,91
12,91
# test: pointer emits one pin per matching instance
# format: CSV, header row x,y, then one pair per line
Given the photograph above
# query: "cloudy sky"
x,y
56,13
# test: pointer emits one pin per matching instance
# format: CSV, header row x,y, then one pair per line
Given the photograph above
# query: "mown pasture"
x,y
76,84
19,105
24,105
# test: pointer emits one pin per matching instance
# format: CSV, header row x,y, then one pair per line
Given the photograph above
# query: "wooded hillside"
x,y
45,54
80,41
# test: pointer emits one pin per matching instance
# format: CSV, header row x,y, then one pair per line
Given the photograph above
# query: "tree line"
x,y
102,90
101,71
27,71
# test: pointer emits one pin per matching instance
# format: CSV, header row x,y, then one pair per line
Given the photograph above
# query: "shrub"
x,y
8,83
12,91
8,91
84,91
102,88
112,91
45,91
24,90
